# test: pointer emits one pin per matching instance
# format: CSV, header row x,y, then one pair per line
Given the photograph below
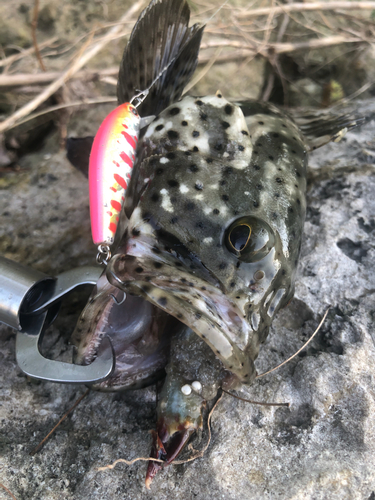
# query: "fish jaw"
x,y
195,299
140,335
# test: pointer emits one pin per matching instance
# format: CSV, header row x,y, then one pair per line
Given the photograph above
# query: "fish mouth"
x,y
176,282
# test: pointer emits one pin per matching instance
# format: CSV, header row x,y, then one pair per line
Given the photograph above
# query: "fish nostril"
x,y
259,275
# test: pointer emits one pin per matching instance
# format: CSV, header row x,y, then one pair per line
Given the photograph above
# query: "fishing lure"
x,y
111,163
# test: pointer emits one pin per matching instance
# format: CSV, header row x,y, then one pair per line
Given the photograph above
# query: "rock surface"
x,y
323,446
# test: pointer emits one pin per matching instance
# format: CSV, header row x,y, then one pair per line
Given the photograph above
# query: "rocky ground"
x,y
322,447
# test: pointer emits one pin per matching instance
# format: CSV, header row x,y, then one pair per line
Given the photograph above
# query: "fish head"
x,y
214,231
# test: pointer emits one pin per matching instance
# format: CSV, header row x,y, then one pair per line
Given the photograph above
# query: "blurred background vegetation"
x,y
292,54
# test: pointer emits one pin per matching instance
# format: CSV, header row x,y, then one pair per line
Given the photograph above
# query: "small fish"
x,y
111,163
215,213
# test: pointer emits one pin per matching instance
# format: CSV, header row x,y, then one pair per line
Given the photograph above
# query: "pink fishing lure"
x,y
111,163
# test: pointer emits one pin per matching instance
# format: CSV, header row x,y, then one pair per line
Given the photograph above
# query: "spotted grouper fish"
x,y
214,219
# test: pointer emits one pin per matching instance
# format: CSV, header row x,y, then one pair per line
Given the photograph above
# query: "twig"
x,y
128,462
308,6
299,350
6,489
21,79
77,65
15,57
35,450
34,25
255,402
51,109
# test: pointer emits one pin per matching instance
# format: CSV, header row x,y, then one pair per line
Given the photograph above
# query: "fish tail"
x,y
161,56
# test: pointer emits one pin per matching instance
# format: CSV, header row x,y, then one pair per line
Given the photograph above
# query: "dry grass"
x,y
236,33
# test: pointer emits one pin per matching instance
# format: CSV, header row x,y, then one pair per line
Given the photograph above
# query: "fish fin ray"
x,y
320,127
163,47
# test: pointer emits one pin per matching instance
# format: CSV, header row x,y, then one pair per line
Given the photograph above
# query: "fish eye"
x,y
249,239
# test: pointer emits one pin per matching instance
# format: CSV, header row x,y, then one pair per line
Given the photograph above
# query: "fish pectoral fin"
x,y
321,127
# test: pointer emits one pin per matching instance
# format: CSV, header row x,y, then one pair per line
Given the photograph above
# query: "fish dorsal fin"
x,y
320,127
161,49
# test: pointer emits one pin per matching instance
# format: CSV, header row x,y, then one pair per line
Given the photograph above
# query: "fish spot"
x,y
195,149
259,187
184,123
172,134
190,205
173,183
294,152
162,301
199,225
255,204
193,168
174,220
274,215
255,152
158,265
261,123
155,197
256,167
283,272
232,284
215,211
244,132
222,265
159,127
241,148
139,269
171,156
228,109
225,125
298,201
283,125
198,316
203,116
174,111
198,102
183,280
279,180
270,157
225,197
198,186
136,232
179,316
195,133
290,209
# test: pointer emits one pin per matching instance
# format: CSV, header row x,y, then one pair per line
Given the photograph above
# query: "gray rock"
x,y
323,446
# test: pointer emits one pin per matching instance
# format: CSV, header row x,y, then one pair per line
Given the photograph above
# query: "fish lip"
x,y
211,314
